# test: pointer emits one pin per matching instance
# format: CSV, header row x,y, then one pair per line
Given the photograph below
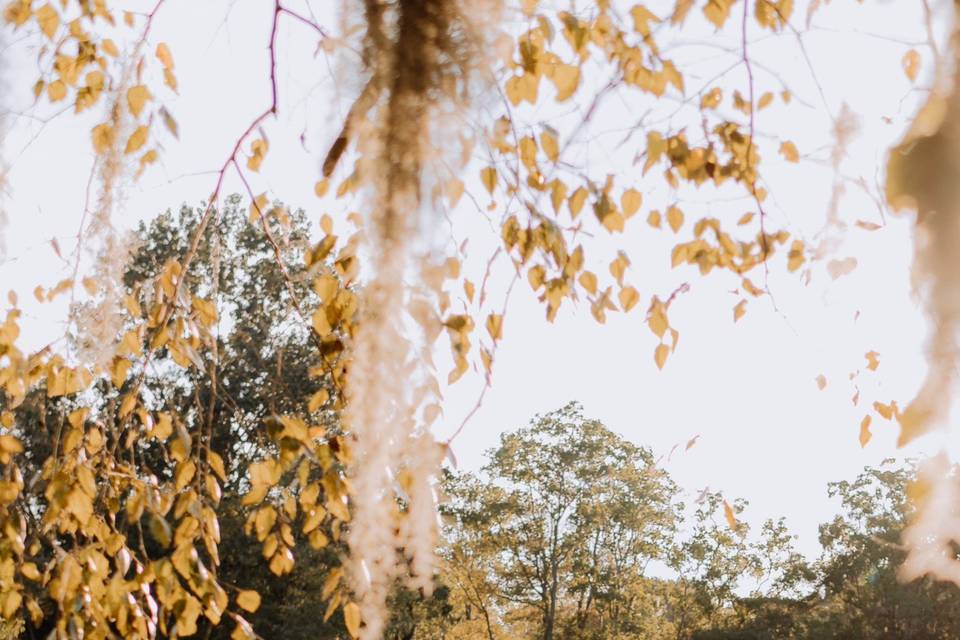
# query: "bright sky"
x,y
748,390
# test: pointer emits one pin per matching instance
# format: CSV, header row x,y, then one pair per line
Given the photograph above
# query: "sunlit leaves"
x,y
48,19
137,97
789,151
739,310
675,218
488,176
137,139
730,515
103,136
630,202
773,14
576,201
711,99
865,434
248,600
258,150
166,59
911,64
351,617
566,78
717,11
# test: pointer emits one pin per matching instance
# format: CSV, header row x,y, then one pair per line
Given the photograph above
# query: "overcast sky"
x,y
766,432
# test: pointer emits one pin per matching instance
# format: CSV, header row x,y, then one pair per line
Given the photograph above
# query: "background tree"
x,y
576,513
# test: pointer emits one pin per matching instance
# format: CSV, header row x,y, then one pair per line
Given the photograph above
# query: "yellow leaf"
x,y
558,191
656,146
258,151
136,97
642,17
317,400
588,281
489,178
258,208
795,258
654,219
630,202
164,56
674,218
48,19
454,190
184,473
528,152
566,77
885,410
248,600
711,99
548,142
731,517
30,571
109,48
351,617
821,382
514,90
739,310
745,218
56,91
137,139
660,355
576,201
495,326
320,189
629,297
865,434
146,159
657,321
765,100
169,79
536,276
717,11
911,64
873,360
102,136
789,151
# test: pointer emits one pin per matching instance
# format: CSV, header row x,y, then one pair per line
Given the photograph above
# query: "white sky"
x,y
767,433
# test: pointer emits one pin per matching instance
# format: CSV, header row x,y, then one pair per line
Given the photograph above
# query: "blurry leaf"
x,y
489,178
48,19
911,64
137,139
136,97
351,617
660,355
865,434
566,78
675,218
839,268
731,517
789,151
248,600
